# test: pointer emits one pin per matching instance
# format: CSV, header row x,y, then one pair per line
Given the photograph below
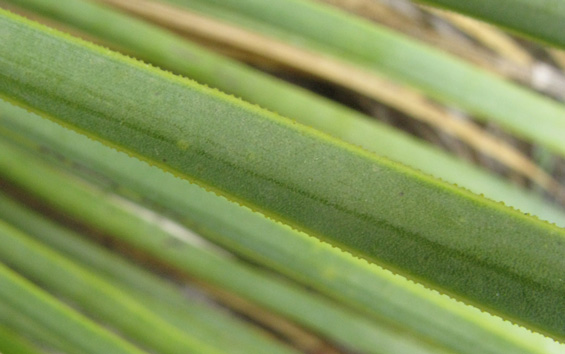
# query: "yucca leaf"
x,y
323,29
97,209
369,289
465,245
152,44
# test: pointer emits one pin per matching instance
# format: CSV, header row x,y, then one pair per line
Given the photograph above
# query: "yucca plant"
x,y
201,176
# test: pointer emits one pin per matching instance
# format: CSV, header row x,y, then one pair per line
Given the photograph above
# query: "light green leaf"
x,y
99,298
43,308
198,319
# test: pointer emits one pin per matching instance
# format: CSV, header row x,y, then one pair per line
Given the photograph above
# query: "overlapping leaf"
x,y
469,247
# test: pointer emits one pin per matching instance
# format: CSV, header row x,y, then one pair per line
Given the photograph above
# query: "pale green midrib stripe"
x,y
226,154
208,214
316,313
538,20
147,288
369,45
44,309
98,297
151,43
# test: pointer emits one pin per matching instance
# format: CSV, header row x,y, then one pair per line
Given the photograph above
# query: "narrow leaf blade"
x,y
469,247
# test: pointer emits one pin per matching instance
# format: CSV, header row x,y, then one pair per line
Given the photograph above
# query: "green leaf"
x,y
101,299
469,247
153,44
441,76
43,308
97,209
11,342
352,282
540,19
47,337
198,319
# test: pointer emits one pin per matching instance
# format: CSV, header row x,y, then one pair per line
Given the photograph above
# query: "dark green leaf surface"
x,y
154,44
98,209
465,245
352,282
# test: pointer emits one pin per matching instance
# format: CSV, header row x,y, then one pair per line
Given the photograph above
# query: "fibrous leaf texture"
x,y
471,248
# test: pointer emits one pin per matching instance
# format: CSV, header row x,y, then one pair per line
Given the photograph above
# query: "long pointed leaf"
x,y
296,255
152,44
469,247
97,209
